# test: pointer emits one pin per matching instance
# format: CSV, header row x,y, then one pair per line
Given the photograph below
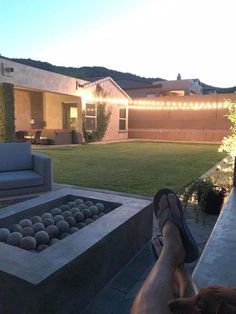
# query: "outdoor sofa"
x,y
22,171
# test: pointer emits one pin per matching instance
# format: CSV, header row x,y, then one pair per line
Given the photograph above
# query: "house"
x,y
57,104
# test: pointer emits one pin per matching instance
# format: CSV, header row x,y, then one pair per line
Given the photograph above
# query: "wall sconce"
x,y
32,121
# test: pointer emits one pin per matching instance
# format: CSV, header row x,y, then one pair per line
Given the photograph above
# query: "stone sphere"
x,y
95,217
73,230
101,214
14,238
52,231
41,237
66,213
48,221
87,213
79,217
64,207
53,241
81,225
63,235
71,204
15,227
4,233
82,206
71,221
25,223
35,219
27,231
100,207
58,218
63,226
46,215
79,201
42,247
74,210
38,226
56,211
28,243
89,203
93,209
88,221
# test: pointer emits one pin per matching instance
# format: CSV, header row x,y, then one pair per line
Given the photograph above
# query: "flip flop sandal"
x,y
190,245
153,250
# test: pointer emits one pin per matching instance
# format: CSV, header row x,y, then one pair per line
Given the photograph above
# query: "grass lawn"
x,y
133,167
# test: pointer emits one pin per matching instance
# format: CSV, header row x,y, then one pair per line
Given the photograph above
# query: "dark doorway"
x,y
70,115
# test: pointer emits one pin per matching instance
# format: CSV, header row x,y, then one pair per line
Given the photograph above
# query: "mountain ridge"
x,y
124,79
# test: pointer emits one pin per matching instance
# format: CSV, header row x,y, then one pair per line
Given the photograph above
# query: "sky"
x,y
150,38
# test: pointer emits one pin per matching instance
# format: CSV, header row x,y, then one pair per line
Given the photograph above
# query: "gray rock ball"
x,y
42,247
71,204
73,230
67,213
100,207
48,221
71,221
56,211
25,223
88,221
63,226
52,231
35,219
53,241
4,233
15,227
64,207
81,225
93,209
41,237
27,231
87,213
74,210
79,217
79,201
14,238
57,218
38,226
82,206
28,243
89,203
46,215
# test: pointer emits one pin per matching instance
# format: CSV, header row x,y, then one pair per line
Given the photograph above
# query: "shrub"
x,y
7,115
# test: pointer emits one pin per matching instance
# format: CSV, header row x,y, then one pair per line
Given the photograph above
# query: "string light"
x,y
159,105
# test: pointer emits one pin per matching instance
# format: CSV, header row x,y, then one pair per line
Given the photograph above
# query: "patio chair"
x,y
36,138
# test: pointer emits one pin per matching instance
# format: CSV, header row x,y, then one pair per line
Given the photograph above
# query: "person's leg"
x,y
183,285
157,289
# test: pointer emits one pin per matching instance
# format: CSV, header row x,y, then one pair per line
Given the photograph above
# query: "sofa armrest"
x,y
43,166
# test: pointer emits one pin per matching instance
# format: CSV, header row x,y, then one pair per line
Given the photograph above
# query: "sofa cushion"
x,y
15,156
19,179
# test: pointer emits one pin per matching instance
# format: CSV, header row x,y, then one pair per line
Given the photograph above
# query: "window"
x,y
122,119
90,117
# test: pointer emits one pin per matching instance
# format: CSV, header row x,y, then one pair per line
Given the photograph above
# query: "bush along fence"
x,y
7,114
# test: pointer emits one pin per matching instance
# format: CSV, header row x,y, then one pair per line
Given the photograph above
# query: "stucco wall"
x,y
30,77
208,125
22,109
112,91
53,110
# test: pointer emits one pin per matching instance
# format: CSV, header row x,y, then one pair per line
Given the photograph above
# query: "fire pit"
x,y
65,276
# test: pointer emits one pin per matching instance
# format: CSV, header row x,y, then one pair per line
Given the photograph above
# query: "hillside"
x,y
125,80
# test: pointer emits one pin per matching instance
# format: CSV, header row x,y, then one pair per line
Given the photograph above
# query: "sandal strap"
x,y
169,214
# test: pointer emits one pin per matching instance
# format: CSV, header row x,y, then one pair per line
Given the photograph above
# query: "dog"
x,y
210,300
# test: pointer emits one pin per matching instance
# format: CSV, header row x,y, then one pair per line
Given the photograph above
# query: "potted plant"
x,y
205,195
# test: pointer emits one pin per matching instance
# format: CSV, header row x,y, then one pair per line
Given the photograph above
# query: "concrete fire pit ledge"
x,y
66,276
